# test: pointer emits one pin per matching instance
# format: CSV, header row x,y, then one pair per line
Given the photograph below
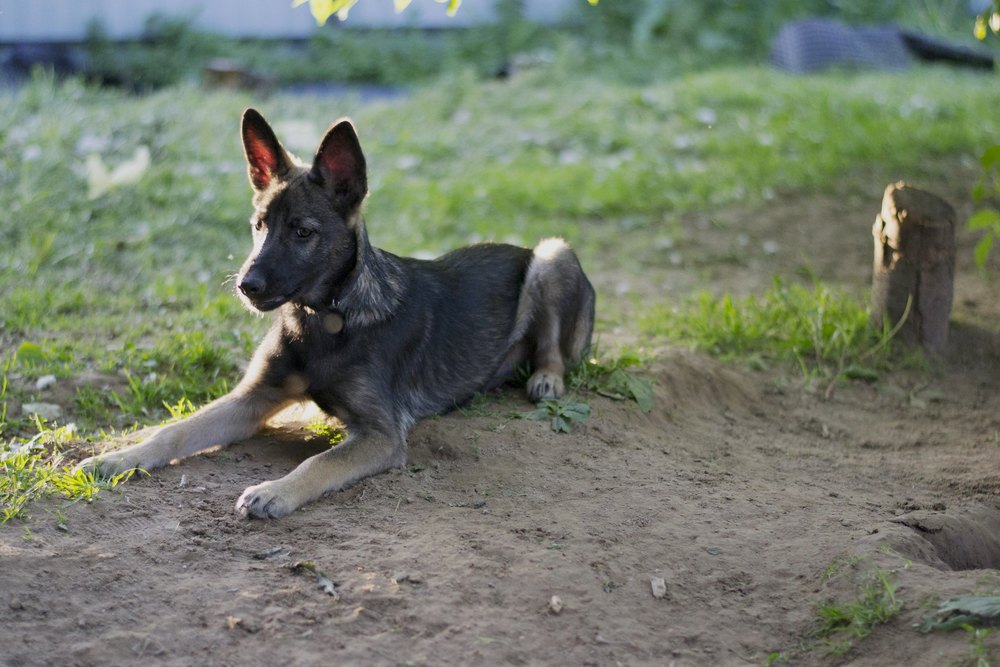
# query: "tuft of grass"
x,y
843,624
322,428
987,218
820,330
34,469
979,653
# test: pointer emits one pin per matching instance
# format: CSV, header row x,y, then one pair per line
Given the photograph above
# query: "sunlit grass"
x,y
38,468
817,328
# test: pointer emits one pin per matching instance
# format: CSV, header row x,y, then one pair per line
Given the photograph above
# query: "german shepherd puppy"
x,y
376,340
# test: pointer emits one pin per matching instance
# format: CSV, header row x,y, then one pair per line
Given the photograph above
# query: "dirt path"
x,y
752,497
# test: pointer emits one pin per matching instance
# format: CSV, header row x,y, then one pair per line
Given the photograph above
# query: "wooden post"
x,y
915,264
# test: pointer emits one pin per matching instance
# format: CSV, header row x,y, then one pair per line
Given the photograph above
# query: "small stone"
x,y
183,482
659,587
556,604
408,577
16,604
478,503
45,382
47,411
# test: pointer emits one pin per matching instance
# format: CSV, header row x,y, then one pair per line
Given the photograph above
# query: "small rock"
x,y
713,551
47,411
478,503
271,554
556,604
183,482
45,382
16,604
659,587
408,577
939,507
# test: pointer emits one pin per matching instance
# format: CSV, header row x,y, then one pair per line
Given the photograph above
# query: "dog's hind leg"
x,y
360,455
555,315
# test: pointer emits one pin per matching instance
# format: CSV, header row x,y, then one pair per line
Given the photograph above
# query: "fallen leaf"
x,y
101,179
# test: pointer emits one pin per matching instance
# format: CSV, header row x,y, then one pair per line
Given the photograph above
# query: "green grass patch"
x,y
322,428
37,468
821,330
842,624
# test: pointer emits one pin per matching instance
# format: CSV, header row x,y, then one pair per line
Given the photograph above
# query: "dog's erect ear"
x,y
340,165
266,157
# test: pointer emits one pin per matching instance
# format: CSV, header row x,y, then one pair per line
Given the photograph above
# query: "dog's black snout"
x,y
251,285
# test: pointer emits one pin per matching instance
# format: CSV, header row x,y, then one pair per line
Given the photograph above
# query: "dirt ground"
x,y
753,496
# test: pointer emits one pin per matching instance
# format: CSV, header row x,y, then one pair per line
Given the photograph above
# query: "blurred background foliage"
x,y
635,39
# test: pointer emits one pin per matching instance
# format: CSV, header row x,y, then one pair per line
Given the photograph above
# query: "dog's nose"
x,y
251,285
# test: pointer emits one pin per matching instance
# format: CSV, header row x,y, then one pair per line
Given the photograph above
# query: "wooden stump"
x,y
915,264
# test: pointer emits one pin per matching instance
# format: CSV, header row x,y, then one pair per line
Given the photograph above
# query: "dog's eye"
x,y
259,225
302,232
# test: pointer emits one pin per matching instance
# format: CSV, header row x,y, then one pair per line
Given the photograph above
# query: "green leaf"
x,y
986,218
638,389
861,373
641,390
453,6
966,610
537,414
559,424
991,157
577,411
983,250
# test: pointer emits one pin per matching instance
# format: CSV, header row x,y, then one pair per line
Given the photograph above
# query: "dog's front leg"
x,y
357,457
233,417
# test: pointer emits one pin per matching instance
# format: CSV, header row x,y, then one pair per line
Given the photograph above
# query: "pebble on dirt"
x,y
47,411
659,587
45,382
555,604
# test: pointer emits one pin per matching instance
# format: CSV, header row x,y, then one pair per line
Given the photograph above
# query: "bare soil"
x,y
754,496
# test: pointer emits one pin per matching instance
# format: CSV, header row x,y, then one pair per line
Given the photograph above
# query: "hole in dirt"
x,y
967,541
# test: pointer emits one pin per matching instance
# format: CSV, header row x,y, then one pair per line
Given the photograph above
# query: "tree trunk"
x,y
914,264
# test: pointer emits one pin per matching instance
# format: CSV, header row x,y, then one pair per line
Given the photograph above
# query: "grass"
x,y
821,330
34,469
842,624
125,297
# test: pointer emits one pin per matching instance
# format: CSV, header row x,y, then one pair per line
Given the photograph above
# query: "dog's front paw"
x,y
545,385
109,464
268,500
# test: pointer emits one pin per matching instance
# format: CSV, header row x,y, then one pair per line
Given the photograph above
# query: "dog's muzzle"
x,y
252,286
